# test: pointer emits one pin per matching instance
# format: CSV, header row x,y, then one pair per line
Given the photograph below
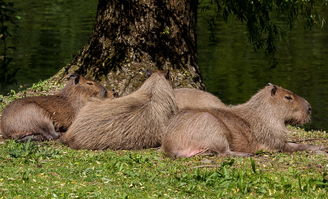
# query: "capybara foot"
x,y
39,137
31,138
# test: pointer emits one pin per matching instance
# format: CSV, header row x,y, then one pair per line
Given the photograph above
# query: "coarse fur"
x,y
135,121
259,124
42,118
188,98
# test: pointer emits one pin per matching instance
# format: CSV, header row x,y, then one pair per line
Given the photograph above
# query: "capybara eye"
x,y
90,83
288,97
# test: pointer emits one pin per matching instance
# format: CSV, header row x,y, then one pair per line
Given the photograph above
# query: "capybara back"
x,y
188,98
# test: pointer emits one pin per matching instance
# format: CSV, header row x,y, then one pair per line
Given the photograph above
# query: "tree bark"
x,y
131,36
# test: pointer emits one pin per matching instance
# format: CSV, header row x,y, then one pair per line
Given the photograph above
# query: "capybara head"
x,y
79,85
284,104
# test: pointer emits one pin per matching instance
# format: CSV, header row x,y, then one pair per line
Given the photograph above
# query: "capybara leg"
x,y
44,132
31,138
48,132
28,120
292,147
189,152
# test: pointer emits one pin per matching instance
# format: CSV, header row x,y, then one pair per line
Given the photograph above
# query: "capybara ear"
x,y
273,90
148,73
167,74
115,94
74,77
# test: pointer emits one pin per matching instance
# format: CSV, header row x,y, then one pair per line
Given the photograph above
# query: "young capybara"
x,y
259,124
195,98
135,121
42,118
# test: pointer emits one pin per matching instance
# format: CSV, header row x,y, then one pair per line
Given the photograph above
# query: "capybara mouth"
x,y
299,121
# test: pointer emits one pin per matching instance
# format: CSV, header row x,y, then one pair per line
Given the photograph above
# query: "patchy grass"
x,y
51,170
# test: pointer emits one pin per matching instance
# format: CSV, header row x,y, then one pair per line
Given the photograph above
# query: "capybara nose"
x,y
309,109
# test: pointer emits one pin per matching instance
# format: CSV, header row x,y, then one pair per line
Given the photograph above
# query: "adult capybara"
x,y
46,117
135,121
195,98
259,124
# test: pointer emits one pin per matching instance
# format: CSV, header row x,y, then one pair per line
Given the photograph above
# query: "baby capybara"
x,y
135,121
259,124
42,118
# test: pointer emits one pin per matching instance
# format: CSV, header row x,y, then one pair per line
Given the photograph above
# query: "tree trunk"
x,y
131,36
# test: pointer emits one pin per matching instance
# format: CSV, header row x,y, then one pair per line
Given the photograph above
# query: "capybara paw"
x,y
31,138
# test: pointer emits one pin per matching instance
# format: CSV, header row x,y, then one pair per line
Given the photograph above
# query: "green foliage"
x,y
29,151
4,100
41,86
260,16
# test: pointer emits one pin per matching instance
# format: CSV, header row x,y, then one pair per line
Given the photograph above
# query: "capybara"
x,y
258,124
42,118
194,98
135,121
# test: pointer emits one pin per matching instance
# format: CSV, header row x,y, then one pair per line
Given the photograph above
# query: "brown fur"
x,y
195,98
46,117
259,124
135,121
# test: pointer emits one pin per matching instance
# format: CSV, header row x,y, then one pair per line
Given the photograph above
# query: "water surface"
x,y
48,35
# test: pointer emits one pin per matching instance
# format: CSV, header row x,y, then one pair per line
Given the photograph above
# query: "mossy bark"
x,y
131,36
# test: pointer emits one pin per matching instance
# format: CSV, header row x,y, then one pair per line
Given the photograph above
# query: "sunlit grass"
x,y
51,170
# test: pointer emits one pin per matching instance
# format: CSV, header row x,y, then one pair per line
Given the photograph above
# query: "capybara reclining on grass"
x,y
135,121
190,98
259,124
47,117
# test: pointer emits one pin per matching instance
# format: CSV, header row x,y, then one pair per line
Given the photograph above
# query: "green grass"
x,y
51,170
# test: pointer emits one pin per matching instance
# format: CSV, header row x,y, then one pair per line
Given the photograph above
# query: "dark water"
x,y
52,31
48,35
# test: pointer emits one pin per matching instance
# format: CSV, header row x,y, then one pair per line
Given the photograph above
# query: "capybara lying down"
x,y
135,121
190,98
259,124
47,117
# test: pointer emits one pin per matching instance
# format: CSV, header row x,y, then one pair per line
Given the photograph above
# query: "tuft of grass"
x,y
4,100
